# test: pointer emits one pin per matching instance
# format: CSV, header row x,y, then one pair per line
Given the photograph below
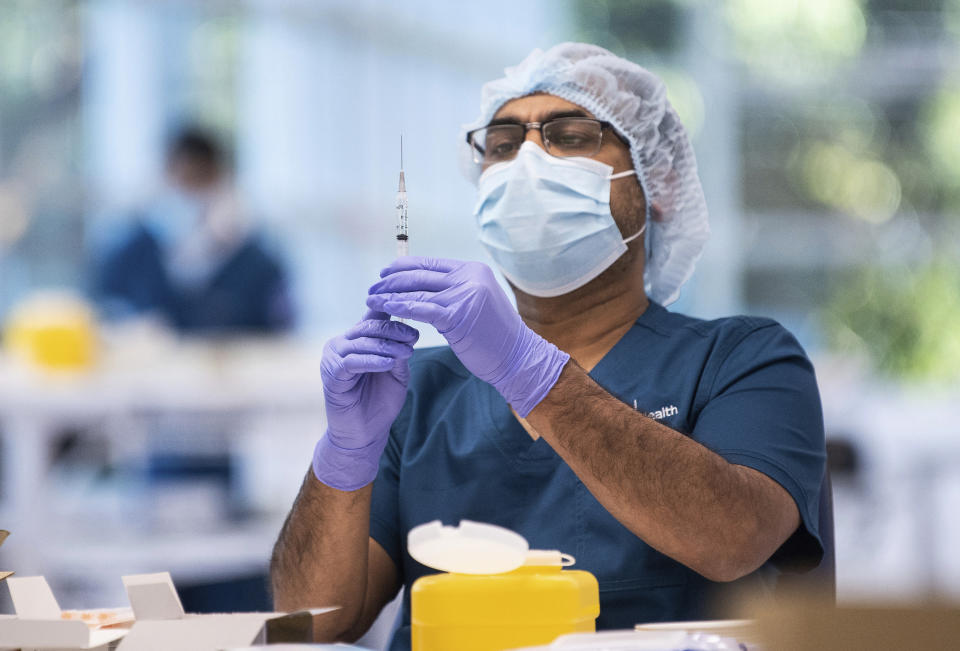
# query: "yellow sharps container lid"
x,y
469,548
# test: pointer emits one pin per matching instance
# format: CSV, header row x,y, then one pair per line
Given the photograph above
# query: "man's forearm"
x,y
720,519
321,556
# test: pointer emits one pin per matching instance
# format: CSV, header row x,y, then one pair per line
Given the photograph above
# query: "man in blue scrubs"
x,y
667,454
190,259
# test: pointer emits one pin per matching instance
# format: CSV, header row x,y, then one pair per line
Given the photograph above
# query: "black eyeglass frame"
x,y
539,126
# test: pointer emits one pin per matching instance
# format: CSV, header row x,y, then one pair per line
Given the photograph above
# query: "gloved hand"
x,y
365,375
463,301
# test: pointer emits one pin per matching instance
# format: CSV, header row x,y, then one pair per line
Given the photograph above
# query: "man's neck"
x,y
588,322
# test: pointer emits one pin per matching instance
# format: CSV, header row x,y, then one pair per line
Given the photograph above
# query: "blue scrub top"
x,y
741,386
246,294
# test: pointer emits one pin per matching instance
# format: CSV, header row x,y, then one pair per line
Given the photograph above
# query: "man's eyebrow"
x,y
553,115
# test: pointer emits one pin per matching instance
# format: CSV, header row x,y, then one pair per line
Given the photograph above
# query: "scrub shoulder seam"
x,y
748,326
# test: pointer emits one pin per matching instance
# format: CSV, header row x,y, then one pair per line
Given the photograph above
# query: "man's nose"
x,y
533,135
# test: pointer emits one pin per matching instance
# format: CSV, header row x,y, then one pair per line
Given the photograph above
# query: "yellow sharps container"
x,y
53,331
496,593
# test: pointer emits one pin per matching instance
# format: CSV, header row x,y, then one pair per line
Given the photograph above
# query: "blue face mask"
x,y
546,221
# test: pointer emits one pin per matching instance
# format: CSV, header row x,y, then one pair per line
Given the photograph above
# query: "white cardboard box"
x,y
38,623
162,625
160,622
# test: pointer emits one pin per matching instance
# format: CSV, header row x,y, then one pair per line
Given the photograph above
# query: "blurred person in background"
x,y
192,258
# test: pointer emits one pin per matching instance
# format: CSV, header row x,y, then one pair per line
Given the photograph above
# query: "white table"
x,y
252,382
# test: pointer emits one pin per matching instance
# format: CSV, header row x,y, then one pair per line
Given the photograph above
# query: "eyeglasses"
x,y
561,137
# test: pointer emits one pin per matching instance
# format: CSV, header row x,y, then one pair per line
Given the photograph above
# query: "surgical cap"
x,y
634,101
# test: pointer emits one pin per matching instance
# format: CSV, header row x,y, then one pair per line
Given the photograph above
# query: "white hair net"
x,y
635,102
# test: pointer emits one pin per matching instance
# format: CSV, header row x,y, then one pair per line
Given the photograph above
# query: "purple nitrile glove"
x,y
464,302
365,375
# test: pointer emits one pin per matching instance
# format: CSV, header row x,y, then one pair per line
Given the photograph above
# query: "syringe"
x,y
402,235
403,246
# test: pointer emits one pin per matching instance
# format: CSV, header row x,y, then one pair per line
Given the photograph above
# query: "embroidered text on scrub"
x,y
665,411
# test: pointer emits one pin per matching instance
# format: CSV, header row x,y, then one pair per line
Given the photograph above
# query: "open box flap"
x,y
33,598
153,596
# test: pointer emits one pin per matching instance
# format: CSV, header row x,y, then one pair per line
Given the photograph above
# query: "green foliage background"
x,y
906,320
824,142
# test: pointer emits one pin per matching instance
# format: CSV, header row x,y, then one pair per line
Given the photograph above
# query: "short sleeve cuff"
x,y
804,549
388,538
